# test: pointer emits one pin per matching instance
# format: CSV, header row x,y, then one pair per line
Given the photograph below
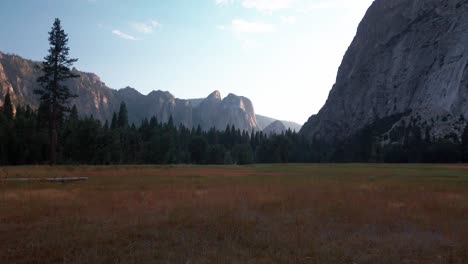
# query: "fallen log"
x,y
67,179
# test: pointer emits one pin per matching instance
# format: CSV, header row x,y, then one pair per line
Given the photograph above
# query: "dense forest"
x,y
392,140
85,140
24,140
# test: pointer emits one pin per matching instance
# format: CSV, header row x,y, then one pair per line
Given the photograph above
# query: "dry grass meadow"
x,y
257,214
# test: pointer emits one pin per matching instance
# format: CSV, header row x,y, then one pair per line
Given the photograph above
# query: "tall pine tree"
x,y
8,107
122,120
54,94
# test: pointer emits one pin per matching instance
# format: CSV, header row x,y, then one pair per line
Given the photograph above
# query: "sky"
x,y
281,54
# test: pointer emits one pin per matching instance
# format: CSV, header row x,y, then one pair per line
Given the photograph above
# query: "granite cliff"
x,y
408,59
18,77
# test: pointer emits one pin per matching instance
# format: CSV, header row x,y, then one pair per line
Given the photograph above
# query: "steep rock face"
x,y
275,128
159,104
95,98
207,111
238,110
408,55
18,76
232,110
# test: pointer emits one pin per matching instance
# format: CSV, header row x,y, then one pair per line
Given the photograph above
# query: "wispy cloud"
x,y
223,2
332,4
248,32
261,5
301,6
123,35
251,27
240,26
146,27
288,20
268,5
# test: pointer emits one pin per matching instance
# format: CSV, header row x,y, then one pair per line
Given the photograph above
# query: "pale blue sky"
x,y
282,54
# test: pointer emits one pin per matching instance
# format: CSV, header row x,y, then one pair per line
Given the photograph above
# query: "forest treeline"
x,y
24,140
86,140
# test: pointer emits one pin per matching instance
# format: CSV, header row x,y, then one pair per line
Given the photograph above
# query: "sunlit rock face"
x,y
18,77
206,113
219,113
159,104
238,110
407,56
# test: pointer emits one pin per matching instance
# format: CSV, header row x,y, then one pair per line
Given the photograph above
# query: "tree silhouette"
x,y
122,120
8,107
54,93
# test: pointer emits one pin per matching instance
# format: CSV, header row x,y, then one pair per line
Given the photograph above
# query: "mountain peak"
x,y
159,93
129,89
215,95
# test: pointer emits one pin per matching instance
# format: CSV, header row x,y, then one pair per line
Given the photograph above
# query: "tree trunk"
x,y
53,135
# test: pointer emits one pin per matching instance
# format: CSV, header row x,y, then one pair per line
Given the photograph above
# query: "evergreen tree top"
x,y
8,107
56,69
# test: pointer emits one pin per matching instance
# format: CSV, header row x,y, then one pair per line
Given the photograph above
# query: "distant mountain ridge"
x,y
275,128
264,121
18,76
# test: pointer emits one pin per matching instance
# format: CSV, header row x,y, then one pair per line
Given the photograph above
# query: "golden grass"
x,y
257,214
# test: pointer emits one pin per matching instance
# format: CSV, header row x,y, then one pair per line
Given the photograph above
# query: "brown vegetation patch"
x,y
202,215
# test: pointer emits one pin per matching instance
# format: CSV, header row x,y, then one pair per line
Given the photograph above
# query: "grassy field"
x,y
256,214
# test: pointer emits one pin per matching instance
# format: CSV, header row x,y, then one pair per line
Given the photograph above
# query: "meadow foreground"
x,y
256,214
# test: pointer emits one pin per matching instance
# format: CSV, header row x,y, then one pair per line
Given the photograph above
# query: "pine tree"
x,y
8,107
464,144
122,120
170,122
54,94
114,121
74,113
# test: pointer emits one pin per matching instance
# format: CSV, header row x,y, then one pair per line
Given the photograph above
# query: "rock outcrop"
x,y
159,104
238,110
409,56
232,110
18,77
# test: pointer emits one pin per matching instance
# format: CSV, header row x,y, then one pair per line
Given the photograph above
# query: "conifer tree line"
x,y
85,140
24,139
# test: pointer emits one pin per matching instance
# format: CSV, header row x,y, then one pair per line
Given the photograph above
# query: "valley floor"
x,y
349,213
